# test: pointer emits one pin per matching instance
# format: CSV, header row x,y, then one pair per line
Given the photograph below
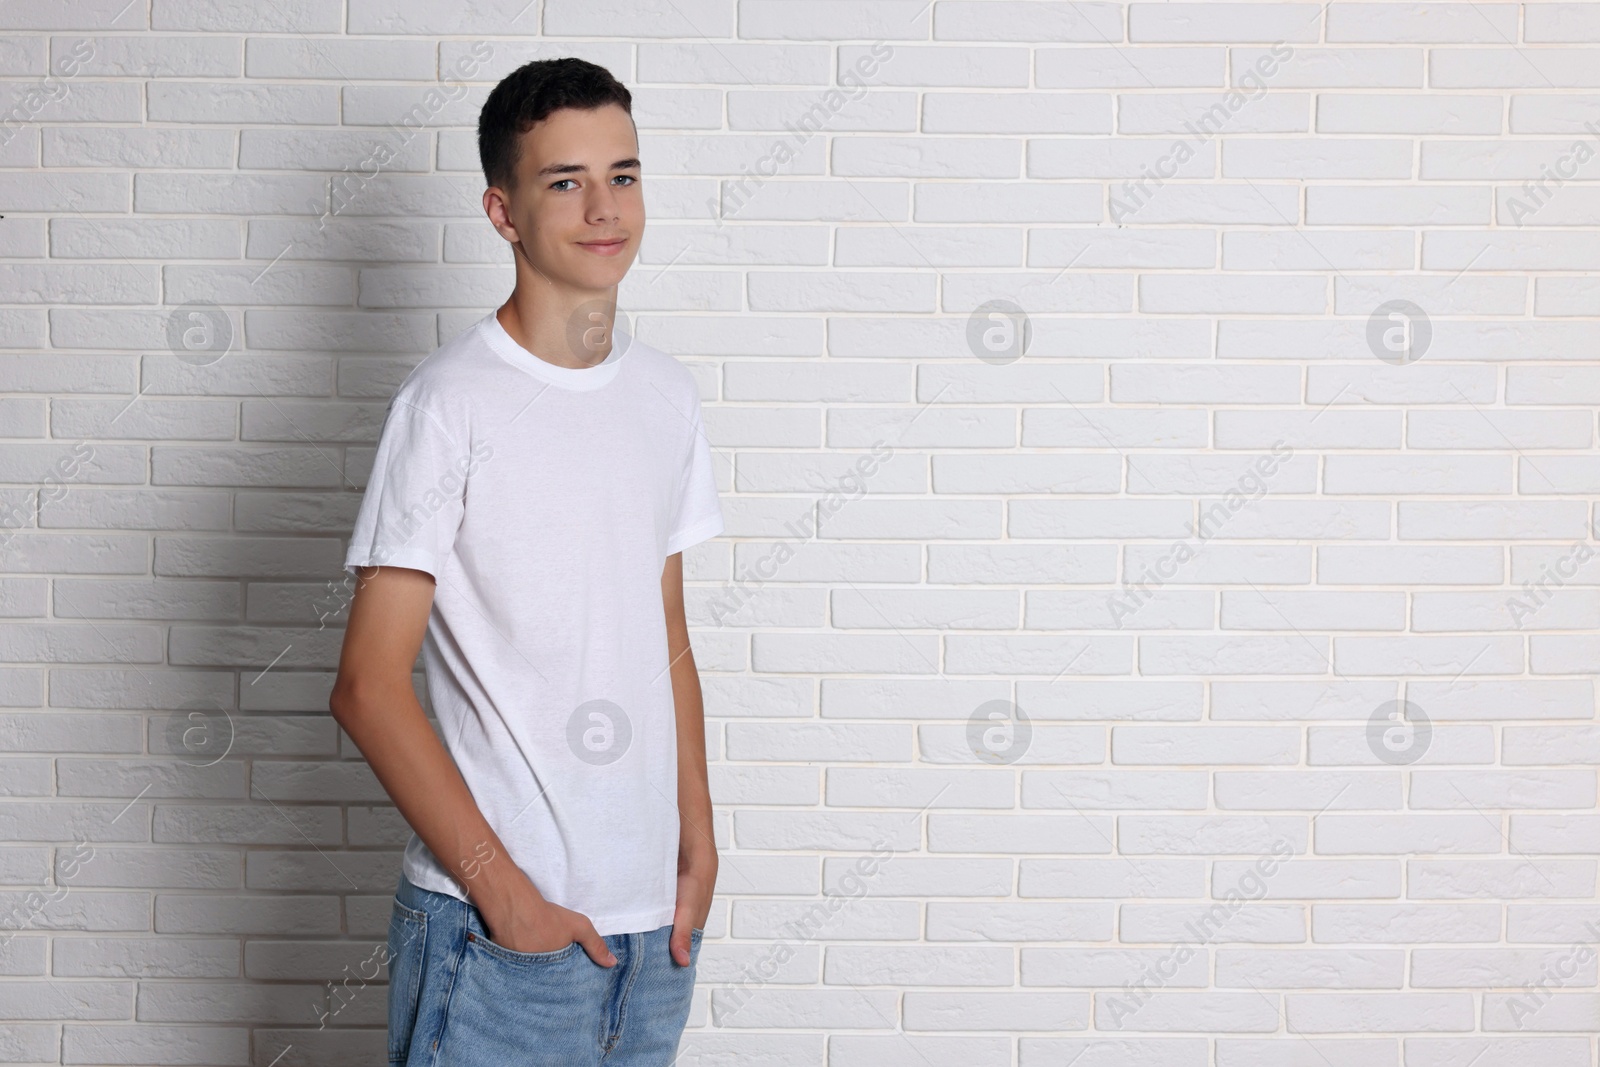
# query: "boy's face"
x,y
578,208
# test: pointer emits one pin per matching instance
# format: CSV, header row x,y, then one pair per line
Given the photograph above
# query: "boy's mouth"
x,y
607,247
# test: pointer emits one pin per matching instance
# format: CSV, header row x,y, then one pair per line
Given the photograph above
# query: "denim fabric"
x,y
457,999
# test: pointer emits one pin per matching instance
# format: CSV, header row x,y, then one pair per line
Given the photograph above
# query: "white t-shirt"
x,y
545,501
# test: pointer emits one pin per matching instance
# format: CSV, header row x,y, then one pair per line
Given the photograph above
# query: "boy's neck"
x,y
580,338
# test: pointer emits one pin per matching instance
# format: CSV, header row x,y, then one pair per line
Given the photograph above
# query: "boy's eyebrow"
x,y
579,168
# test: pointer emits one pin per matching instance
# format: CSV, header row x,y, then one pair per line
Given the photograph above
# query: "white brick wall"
x,y
1214,522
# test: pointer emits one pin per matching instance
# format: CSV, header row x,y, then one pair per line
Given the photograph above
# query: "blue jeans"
x,y
457,999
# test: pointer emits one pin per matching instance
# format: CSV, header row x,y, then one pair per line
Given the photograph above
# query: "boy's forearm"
x,y
696,836
392,732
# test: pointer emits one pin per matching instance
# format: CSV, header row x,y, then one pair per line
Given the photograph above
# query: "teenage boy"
x,y
536,481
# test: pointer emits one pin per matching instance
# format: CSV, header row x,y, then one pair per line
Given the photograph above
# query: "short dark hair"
x,y
528,95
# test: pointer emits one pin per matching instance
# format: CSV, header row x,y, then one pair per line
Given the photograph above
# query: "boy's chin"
x,y
589,277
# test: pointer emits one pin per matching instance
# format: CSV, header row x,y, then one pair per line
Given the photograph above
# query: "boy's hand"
x,y
697,880
522,921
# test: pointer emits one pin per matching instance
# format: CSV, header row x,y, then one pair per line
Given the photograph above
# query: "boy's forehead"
x,y
577,135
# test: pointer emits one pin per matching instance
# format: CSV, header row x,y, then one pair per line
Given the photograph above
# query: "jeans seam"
x,y
414,993
450,986
635,964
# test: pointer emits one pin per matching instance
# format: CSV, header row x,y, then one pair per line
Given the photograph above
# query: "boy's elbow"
x,y
338,702
346,699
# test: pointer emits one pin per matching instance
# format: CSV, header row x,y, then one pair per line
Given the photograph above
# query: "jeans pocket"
x,y
408,938
511,955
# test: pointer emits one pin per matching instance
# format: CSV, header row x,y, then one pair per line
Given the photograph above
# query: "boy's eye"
x,y
630,179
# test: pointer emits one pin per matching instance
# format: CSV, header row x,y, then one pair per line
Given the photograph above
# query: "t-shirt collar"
x,y
577,378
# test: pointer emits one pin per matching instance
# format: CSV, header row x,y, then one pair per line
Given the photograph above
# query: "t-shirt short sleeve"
x,y
415,496
699,513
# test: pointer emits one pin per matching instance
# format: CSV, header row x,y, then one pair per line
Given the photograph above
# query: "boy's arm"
x,y
697,849
373,700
